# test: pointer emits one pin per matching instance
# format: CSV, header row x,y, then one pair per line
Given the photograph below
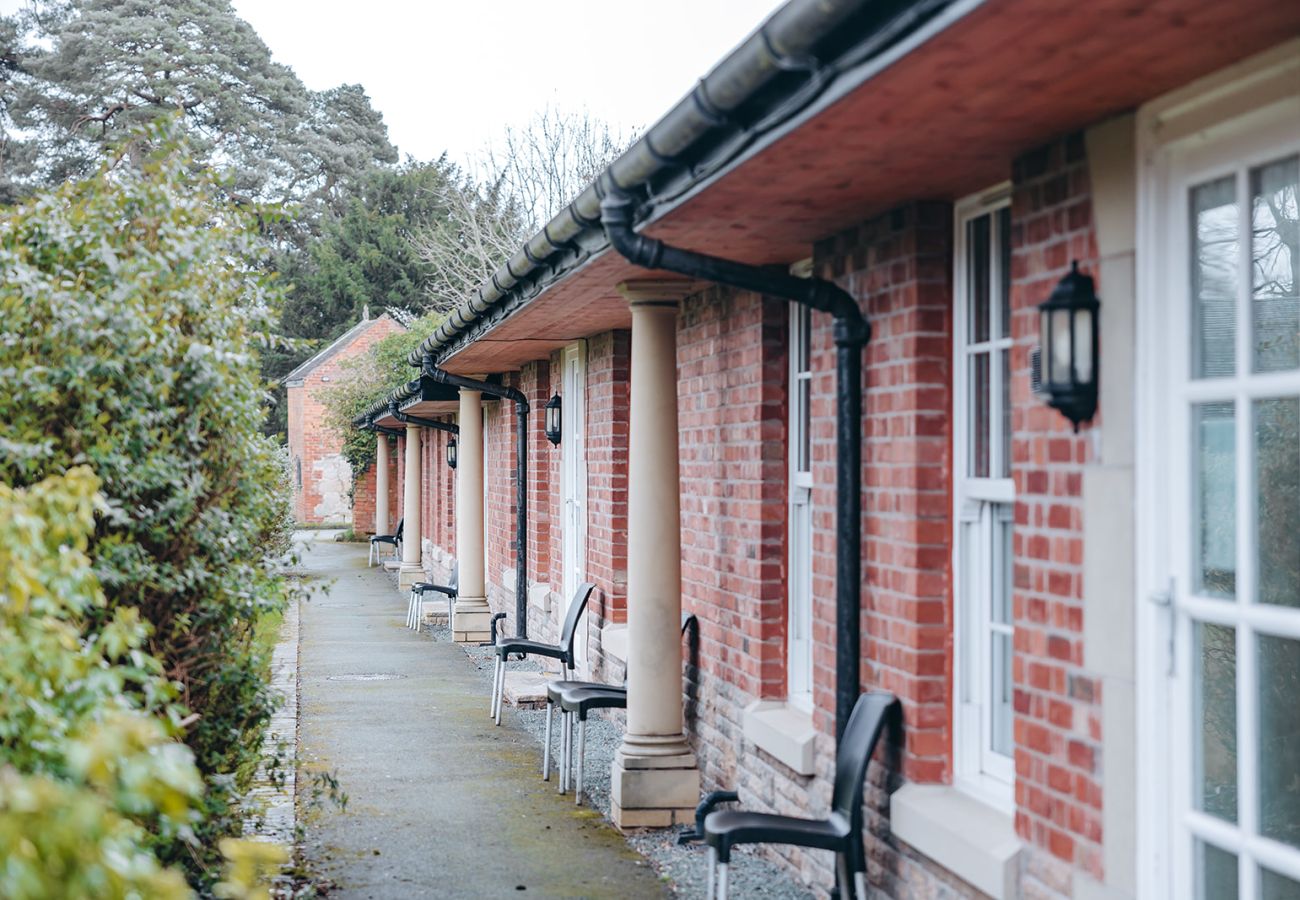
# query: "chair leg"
x,y
582,749
546,745
713,865
501,691
370,560
722,881
843,875
410,601
496,676
860,885
419,613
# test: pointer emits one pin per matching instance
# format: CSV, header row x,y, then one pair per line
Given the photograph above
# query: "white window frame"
x,y
799,532
1225,124
978,770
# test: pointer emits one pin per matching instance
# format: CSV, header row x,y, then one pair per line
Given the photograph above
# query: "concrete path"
x,y
441,803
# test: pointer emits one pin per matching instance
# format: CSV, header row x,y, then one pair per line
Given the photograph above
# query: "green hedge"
x,y
131,313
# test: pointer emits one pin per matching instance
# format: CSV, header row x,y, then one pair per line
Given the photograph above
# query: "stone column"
x,y
655,780
411,571
472,612
381,484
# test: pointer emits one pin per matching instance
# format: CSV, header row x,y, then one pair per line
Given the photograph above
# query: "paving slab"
x,y
440,802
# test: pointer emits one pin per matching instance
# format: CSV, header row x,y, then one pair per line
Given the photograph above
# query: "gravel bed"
x,y
683,867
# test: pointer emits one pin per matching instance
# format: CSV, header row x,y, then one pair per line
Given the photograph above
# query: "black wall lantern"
x,y
451,453
553,420
1068,322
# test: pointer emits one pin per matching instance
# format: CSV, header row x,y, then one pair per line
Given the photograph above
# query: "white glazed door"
x,y
573,481
1226,517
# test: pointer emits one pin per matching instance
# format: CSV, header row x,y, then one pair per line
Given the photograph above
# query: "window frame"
x,y
799,659
977,768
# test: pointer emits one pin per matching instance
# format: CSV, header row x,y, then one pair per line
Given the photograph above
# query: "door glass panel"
x,y
1277,887
977,236
1279,739
1215,730
1274,260
1214,239
1216,873
979,415
1215,492
1277,500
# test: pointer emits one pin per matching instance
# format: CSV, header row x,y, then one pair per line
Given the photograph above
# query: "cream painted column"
x,y
472,612
381,483
411,571
655,779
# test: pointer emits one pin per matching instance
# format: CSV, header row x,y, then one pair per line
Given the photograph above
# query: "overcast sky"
x,y
448,75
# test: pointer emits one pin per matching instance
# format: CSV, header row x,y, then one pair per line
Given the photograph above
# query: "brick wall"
x,y
1057,702
321,477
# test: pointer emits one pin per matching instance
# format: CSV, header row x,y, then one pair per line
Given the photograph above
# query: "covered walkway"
x,y
440,802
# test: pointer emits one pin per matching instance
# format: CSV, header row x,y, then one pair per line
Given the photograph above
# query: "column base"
x,y
653,791
472,626
409,574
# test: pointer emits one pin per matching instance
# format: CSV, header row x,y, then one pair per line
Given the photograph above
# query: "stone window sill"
x,y
613,642
971,839
783,731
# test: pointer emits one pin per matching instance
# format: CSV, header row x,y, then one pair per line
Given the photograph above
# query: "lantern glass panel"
x,y
1058,368
1083,346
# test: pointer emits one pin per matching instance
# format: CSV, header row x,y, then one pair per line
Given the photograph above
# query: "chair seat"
x,y
725,829
423,586
533,648
554,689
384,539
580,700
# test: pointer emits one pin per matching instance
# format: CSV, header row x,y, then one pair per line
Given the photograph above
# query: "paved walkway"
x,y
441,803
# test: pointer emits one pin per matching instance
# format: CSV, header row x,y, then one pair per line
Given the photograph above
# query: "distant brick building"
x,y
321,476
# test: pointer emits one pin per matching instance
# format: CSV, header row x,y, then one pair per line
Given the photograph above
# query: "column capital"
x,y
657,291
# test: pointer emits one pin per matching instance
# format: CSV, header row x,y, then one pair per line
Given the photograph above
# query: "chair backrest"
x,y
570,630
400,524
866,722
454,581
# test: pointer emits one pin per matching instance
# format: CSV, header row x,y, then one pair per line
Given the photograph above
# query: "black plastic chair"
x,y
579,701
840,833
563,651
377,540
555,693
415,605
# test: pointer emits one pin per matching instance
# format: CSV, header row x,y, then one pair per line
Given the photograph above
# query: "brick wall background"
x,y
1057,702
363,496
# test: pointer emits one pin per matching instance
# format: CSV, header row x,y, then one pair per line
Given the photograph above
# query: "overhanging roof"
x,y
937,115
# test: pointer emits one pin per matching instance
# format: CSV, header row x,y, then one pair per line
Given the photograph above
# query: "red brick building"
x,y
1093,633
321,476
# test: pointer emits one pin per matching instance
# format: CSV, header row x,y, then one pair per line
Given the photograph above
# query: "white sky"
x,y
449,75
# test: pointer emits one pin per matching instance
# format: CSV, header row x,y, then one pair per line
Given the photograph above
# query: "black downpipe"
x,y
521,477
407,419
391,432
852,332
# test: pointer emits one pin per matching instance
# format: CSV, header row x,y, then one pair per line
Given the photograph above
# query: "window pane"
x,y
1277,887
1214,277
1006,412
803,338
1279,739
1000,689
1215,731
1277,500
979,415
1216,873
1003,523
1215,492
1004,288
804,425
1274,259
977,278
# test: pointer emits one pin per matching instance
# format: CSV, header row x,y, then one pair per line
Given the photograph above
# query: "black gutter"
x,y
521,477
852,332
422,422
801,56
384,429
